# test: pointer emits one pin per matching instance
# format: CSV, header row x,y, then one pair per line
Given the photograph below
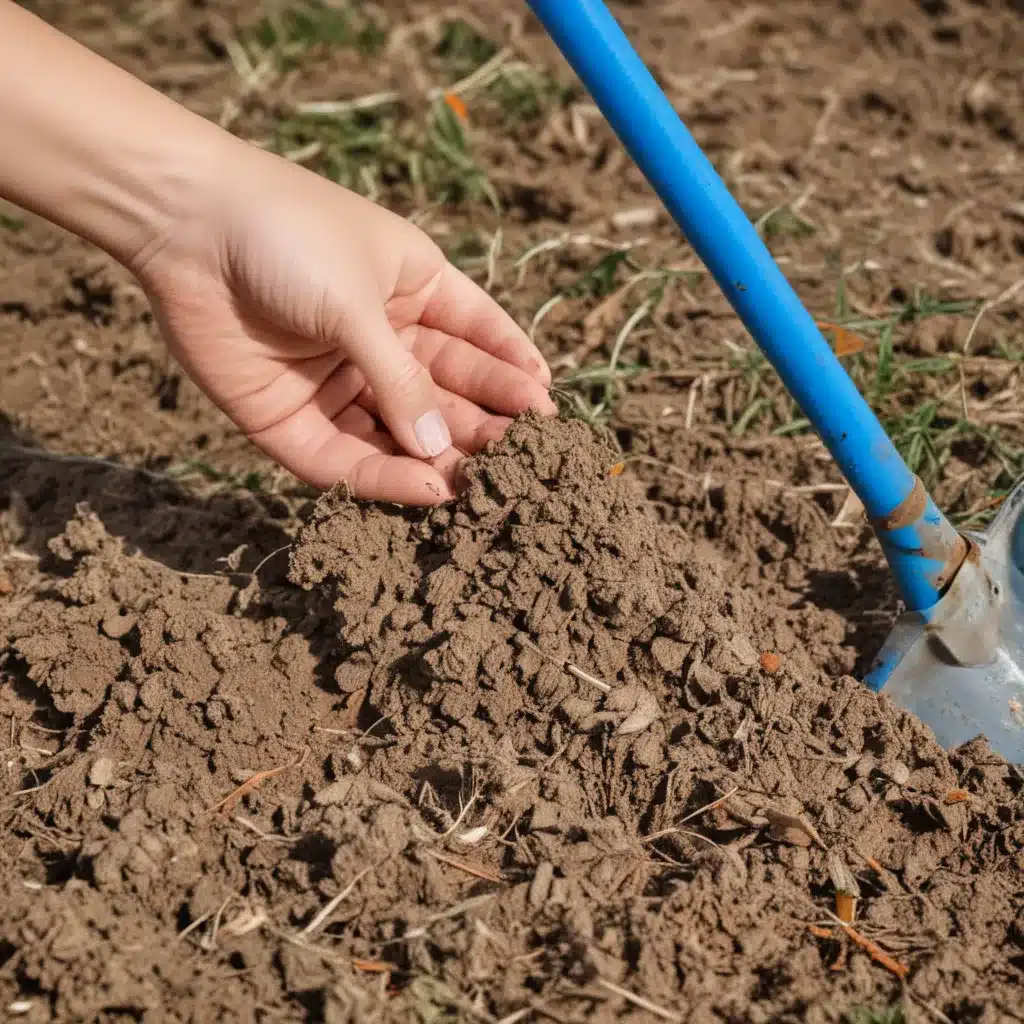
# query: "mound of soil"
x,y
530,755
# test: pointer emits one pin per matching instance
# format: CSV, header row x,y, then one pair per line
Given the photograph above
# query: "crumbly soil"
x,y
586,744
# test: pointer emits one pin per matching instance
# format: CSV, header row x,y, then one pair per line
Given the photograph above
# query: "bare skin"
x,y
334,333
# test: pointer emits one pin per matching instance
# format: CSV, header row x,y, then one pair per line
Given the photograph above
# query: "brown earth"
x,y
437,820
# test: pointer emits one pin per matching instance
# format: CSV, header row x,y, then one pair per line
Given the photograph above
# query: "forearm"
x,y
89,147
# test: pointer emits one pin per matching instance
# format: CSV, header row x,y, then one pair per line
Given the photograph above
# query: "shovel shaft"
x,y
728,244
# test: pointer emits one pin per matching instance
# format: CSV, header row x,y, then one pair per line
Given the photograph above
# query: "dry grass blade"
x,y
577,673
333,905
640,1001
792,828
232,799
694,814
470,869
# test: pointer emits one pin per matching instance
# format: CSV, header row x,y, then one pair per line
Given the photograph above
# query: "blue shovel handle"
x,y
923,549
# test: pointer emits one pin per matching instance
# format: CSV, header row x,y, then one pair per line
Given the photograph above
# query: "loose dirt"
x,y
525,751
584,744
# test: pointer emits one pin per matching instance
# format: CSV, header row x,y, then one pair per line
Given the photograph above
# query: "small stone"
x,y
898,772
744,651
102,772
541,885
95,799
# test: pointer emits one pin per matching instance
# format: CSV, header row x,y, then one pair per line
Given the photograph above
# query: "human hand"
x,y
335,334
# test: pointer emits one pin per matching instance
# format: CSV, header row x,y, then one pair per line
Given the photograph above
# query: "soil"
x,y
587,743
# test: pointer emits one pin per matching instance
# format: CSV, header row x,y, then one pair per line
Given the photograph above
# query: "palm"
x,y
252,333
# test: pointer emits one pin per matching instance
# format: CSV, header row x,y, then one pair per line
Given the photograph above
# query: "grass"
x,y
920,401
289,34
377,144
370,151
248,481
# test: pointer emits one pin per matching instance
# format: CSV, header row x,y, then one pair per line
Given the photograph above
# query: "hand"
x,y
336,334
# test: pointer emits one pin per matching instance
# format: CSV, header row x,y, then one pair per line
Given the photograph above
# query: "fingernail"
x,y
432,433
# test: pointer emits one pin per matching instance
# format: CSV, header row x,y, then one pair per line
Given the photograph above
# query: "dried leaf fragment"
x,y
457,105
643,715
847,343
792,829
373,966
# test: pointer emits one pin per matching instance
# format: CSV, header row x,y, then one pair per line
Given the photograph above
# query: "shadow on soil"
x,y
163,519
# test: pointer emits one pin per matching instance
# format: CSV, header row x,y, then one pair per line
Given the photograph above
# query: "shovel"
x,y
955,657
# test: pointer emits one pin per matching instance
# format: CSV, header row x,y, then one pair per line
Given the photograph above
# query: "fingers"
x,y
406,397
471,427
464,369
460,307
352,447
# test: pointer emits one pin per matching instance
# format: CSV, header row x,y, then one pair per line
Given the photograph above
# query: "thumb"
x,y
402,387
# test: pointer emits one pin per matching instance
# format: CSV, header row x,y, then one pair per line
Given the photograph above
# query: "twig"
x,y
695,814
632,997
251,783
577,673
872,949
332,905
986,307
470,869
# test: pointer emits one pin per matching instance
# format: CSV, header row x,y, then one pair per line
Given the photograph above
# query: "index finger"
x,y
461,308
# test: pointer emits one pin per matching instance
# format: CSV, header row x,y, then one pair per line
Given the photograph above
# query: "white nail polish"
x,y
432,433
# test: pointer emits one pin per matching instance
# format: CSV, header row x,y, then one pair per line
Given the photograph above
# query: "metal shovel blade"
x,y
959,666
